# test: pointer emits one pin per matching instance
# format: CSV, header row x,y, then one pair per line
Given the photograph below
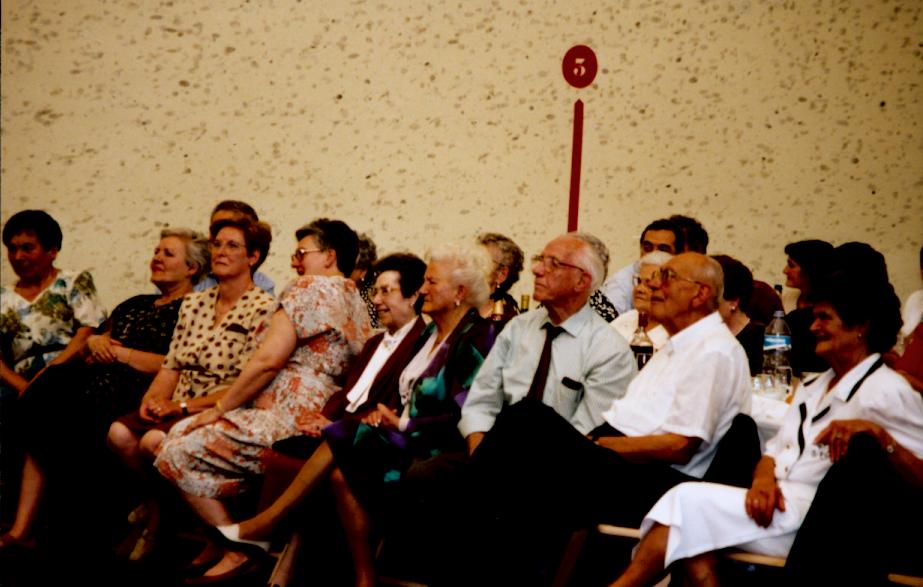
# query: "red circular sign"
x,y
579,66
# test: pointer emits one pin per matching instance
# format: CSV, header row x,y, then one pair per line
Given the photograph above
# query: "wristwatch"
x,y
184,407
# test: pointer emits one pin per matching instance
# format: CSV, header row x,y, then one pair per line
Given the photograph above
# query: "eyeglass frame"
x,y
375,290
638,280
555,263
300,253
666,274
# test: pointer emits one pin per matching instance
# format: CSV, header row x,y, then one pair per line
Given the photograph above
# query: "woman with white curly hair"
x,y
366,458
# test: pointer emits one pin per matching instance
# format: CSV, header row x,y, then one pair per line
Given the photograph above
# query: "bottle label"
x,y
643,354
774,342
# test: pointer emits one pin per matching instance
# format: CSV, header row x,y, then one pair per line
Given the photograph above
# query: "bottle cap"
x,y
498,311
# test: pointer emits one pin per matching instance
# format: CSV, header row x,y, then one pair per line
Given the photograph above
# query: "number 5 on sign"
x,y
579,67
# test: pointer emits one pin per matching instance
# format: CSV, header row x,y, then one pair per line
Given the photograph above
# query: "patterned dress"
x,y
75,403
601,304
209,355
220,460
33,333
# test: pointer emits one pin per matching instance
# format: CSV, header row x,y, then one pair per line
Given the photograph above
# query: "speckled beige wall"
x,y
419,122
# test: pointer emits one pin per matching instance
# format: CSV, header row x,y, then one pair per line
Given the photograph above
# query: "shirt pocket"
x,y
568,394
235,340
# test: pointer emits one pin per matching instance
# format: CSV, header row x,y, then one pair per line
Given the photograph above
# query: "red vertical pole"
x,y
576,157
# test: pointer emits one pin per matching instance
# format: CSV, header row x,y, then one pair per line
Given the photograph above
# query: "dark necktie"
x,y
537,389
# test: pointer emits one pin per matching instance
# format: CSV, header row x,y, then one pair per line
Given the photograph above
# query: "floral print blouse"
x,y
33,333
332,324
209,355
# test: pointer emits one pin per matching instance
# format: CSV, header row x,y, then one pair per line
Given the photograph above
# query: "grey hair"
x,y
710,273
512,257
656,258
197,254
593,258
471,267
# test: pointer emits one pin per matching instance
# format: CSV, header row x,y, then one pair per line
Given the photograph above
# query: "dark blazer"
x,y
385,386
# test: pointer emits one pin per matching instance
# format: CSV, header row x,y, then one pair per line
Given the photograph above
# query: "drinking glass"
x,y
782,381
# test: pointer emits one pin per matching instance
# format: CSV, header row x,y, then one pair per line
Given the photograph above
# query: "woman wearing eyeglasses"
x,y
856,317
626,324
216,332
321,324
409,426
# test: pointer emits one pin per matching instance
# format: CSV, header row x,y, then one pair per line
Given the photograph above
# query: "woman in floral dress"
x,y
73,404
321,325
45,318
47,315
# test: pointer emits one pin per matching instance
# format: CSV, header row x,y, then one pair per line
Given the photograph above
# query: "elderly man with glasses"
x,y
539,477
562,355
561,361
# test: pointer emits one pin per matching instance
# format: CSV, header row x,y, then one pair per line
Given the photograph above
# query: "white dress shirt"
x,y
693,386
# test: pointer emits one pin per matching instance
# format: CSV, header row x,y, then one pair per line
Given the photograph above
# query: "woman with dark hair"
x,y
808,262
366,458
856,318
372,380
47,315
507,258
738,286
236,210
320,326
74,404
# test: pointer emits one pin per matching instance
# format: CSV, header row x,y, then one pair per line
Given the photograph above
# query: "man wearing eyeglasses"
x,y
659,235
586,366
549,479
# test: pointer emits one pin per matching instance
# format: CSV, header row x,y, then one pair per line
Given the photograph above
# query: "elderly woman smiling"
x,y
856,317
320,326
369,455
372,381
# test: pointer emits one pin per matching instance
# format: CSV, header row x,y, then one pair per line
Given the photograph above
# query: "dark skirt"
x,y
67,411
372,460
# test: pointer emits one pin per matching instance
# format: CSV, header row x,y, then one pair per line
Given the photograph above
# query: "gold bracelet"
x,y
218,405
128,358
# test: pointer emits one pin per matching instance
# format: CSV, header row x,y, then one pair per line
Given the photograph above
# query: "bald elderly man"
x,y
539,478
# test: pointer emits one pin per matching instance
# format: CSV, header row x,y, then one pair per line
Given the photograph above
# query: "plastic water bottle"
x,y
777,347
